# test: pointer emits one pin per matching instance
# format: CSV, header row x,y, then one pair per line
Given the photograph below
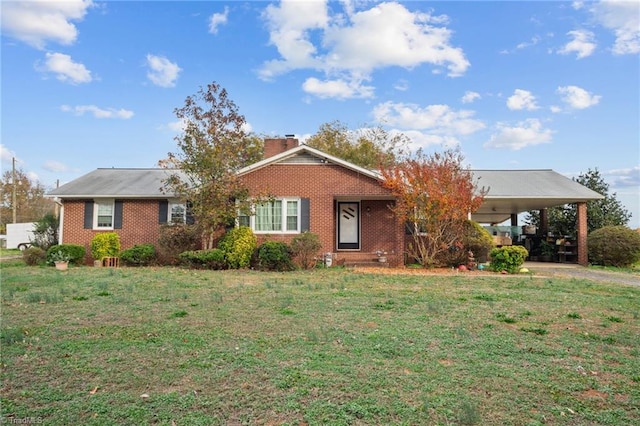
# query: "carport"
x,y
511,192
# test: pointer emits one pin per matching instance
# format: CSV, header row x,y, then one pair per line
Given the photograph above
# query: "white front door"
x,y
348,226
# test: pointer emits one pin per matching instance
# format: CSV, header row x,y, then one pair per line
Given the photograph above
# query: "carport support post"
x,y
544,223
581,237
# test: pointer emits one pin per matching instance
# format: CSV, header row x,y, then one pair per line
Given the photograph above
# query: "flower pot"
x,y
61,265
382,259
97,263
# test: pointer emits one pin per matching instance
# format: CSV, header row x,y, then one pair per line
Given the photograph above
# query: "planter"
x,y
61,265
97,263
382,259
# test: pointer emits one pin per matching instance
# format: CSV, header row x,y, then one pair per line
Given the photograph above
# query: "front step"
x,y
363,260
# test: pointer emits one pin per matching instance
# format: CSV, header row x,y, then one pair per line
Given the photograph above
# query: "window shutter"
x,y
163,211
189,217
117,214
409,228
305,215
88,214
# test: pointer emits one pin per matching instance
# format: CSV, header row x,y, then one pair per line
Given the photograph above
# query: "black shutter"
x,y
305,215
409,228
163,211
88,214
190,219
117,214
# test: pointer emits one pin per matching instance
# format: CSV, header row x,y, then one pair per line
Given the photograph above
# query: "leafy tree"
x,y
212,147
434,195
600,213
31,203
368,147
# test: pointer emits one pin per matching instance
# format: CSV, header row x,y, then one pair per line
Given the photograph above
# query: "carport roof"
x,y
516,191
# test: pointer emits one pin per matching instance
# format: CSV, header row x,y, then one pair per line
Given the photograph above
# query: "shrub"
x,y
139,255
175,239
614,246
105,244
238,245
475,239
34,256
203,259
274,256
508,258
74,252
304,248
45,231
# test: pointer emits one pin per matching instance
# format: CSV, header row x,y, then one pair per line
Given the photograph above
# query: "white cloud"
x,y
401,85
55,166
38,22
470,97
162,72
582,44
622,17
355,43
527,133
433,124
65,69
218,19
622,178
6,155
577,98
522,99
339,89
98,112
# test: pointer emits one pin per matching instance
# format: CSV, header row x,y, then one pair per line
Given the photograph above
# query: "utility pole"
x,y
13,200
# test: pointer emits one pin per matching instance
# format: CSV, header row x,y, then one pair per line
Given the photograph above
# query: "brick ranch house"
x,y
344,204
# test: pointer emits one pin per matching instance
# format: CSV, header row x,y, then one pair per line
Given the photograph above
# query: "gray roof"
x,y
516,191
510,191
117,183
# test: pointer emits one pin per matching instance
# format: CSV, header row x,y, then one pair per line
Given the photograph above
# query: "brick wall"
x,y
323,184
139,225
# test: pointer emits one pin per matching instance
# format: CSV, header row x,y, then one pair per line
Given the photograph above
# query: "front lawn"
x,y
101,346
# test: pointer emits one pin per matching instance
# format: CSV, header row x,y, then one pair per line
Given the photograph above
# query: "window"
x,y
177,213
104,214
282,215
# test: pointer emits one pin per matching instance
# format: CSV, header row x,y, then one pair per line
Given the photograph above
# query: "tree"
x,y
31,203
600,213
434,196
212,148
45,231
367,147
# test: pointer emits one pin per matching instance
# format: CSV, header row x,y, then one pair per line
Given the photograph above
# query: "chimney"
x,y
276,146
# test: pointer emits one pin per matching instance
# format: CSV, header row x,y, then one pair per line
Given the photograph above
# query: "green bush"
x,y
304,248
203,259
614,246
238,245
139,255
34,256
105,244
508,258
475,239
274,256
74,252
175,239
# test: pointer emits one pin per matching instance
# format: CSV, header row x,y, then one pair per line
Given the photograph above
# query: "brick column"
x,y
581,234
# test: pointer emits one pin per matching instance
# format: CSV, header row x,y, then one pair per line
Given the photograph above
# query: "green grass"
x,y
165,346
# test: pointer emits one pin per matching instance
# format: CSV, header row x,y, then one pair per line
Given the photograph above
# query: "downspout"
x,y
60,215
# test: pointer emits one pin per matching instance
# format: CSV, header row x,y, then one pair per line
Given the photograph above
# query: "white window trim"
x,y
283,224
170,206
96,208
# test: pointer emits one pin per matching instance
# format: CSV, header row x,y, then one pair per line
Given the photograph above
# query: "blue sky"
x,y
516,85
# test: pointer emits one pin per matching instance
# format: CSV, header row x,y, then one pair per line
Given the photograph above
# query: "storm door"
x,y
348,226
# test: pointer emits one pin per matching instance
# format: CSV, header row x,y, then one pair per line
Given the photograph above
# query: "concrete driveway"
x,y
572,270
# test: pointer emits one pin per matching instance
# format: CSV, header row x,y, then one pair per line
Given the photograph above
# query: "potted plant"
x,y
382,256
60,259
546,251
